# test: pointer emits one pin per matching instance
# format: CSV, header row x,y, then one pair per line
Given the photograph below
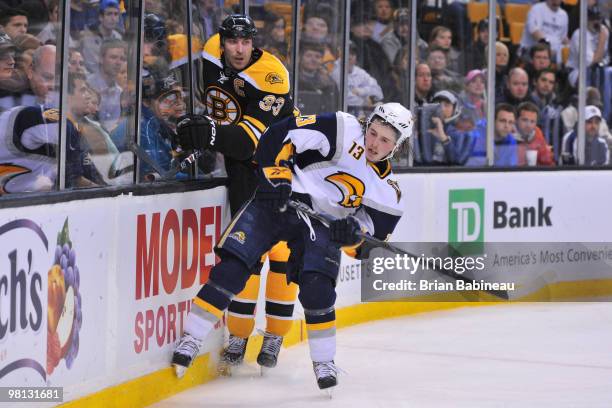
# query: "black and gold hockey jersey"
x,y
243,104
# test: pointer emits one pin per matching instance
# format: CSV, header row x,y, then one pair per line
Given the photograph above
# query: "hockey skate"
x,y
327,375
268,356
233,355
184,353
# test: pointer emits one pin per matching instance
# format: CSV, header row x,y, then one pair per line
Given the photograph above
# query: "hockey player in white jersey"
x,y
340,168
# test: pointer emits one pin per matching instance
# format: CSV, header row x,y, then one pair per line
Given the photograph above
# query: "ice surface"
x,y
523,355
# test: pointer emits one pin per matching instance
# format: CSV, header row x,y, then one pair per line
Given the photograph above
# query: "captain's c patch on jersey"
x,y
351,188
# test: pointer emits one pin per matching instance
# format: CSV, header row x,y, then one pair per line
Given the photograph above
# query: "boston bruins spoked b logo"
x,y
351,188
222,107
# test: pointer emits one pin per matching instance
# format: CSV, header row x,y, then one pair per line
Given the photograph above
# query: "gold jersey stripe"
x,y
249,132
255,122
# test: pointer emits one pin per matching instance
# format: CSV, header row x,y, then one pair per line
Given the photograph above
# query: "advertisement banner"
x,y
53,291
165,254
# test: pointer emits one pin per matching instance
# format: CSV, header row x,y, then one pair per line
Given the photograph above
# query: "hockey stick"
x,y
375,242
182,165
145,157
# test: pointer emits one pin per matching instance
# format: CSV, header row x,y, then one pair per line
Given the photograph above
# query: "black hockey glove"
x,y
196,132
343,232
274,187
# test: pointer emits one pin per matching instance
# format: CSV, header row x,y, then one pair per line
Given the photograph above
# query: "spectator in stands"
x,y
502,58
596,152
363,90
530,137
370,55
273,38
156,40
13,22
399,36
394,40
208,14
442,37
49,33
443,78
317,90
517,87
539,59
76,62
475,55
546,21
440,141
544,97
104,81
41,76
317,29
569,115
423,84
7,61
105,30
10,86
78,99
25,42
83,14
383,14
506,151
473,97
597,45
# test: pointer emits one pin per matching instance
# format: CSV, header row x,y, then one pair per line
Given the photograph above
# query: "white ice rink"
x,y
523,355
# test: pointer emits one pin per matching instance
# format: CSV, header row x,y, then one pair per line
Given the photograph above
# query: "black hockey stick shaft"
x,y
297,205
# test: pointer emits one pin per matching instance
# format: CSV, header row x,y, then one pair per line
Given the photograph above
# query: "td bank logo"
x,y
466,216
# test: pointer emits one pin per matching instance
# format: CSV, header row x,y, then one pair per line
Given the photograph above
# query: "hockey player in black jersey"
x,y
340,168
245,90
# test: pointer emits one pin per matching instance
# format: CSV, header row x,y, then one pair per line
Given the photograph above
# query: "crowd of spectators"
x,y
535,80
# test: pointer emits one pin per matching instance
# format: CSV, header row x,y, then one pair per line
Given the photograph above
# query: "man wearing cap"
x,y
472,96
597,45
106,29
596,151
9,85
476,58
393,41
440,140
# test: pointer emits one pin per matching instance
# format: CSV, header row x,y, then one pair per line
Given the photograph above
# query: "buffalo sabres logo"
x,y
274,78
8,172
351,188
239,236
396,187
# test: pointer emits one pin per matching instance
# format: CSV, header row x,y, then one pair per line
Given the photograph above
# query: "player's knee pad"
x,y
231,274
316,291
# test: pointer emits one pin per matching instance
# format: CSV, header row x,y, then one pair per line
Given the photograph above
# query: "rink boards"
x,y
141,258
